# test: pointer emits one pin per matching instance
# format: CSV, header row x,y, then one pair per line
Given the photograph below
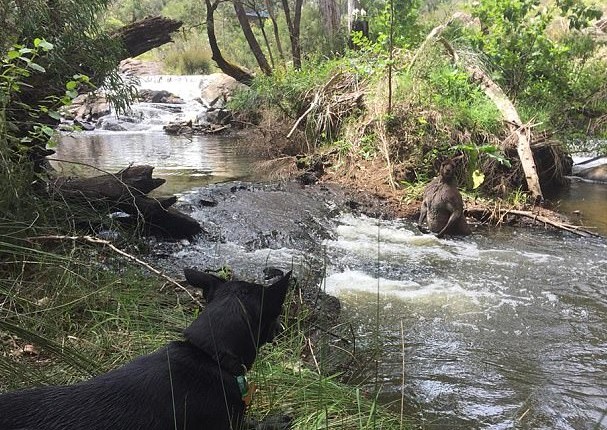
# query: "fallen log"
x,y
148,33
126,191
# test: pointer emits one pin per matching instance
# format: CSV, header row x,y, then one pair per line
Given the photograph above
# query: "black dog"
x,y
195,384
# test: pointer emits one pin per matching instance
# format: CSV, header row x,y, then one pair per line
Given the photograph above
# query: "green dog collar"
x,y
243,385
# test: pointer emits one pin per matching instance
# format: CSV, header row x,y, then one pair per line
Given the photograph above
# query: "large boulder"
x,y
217,88
87,108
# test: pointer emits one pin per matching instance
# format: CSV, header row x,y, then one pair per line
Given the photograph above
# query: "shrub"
x,y
187,57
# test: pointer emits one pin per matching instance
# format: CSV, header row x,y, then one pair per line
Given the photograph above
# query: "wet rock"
x,y
218,88
87,108
218,116
308,178
111,124
158,96
118,123
178,128
595,173
134,67
207,203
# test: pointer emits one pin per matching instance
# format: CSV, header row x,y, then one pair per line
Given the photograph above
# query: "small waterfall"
x,y
187,87
146,116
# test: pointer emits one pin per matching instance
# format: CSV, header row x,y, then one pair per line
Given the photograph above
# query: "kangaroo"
x,y
442,204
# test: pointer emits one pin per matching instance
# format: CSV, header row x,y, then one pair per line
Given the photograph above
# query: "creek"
x,y
504,329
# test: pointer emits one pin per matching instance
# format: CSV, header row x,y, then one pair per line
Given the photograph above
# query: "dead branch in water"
x,y
500,214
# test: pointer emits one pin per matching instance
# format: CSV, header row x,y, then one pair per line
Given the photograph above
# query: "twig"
x,y
95,240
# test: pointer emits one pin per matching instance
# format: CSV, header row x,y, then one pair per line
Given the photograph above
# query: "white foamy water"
x,y
501,329
185,86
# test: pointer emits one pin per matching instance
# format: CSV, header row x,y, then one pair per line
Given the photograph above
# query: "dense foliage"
x,y
544,57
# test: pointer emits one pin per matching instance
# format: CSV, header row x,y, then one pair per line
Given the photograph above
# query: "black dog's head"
x,y
239,318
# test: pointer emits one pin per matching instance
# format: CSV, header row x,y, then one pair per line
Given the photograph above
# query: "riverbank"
x,y
367,184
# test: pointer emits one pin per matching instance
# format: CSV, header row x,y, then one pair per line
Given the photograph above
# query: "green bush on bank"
x,y
187,56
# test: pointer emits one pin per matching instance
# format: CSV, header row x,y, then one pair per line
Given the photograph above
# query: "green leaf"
x,y
43,44
12,54
47,130
478,178
71,85
36,67
54,114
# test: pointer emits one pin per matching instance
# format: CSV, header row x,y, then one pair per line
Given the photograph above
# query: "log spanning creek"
x,y
504,329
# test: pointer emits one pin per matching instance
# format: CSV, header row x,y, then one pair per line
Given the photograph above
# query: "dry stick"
x,y
95,240
300,119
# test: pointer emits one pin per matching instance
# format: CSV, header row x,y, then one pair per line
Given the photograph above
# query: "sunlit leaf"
x,y
54,114
478,178
36,67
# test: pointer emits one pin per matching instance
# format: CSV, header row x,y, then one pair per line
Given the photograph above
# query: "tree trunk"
x,y
251,40
149,33
270,8
329,12
265,38
516,127
226,67
502,102
126,191
293,23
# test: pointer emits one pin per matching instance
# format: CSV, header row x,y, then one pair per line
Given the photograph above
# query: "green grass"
x,y
69,311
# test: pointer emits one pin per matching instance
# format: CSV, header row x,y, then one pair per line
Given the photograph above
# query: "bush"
x,y
187,57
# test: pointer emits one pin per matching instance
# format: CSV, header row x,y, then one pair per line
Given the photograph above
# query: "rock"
x,y
158,96
178,128
134,67
87,108
218,88
596,173
218,116
111,123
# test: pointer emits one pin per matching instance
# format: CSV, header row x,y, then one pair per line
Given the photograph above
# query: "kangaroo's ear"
x,y
275,295
206,281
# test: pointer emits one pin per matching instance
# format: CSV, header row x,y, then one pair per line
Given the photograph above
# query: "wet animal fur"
x,y
442,204
187,385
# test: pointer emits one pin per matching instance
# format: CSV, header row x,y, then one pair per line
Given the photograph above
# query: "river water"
x,y
504,329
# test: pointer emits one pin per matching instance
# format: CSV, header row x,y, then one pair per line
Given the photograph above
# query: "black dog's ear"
x,y
275,295
206,281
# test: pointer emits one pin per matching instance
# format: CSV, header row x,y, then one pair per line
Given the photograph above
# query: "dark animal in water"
x,y
442,204
192,384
